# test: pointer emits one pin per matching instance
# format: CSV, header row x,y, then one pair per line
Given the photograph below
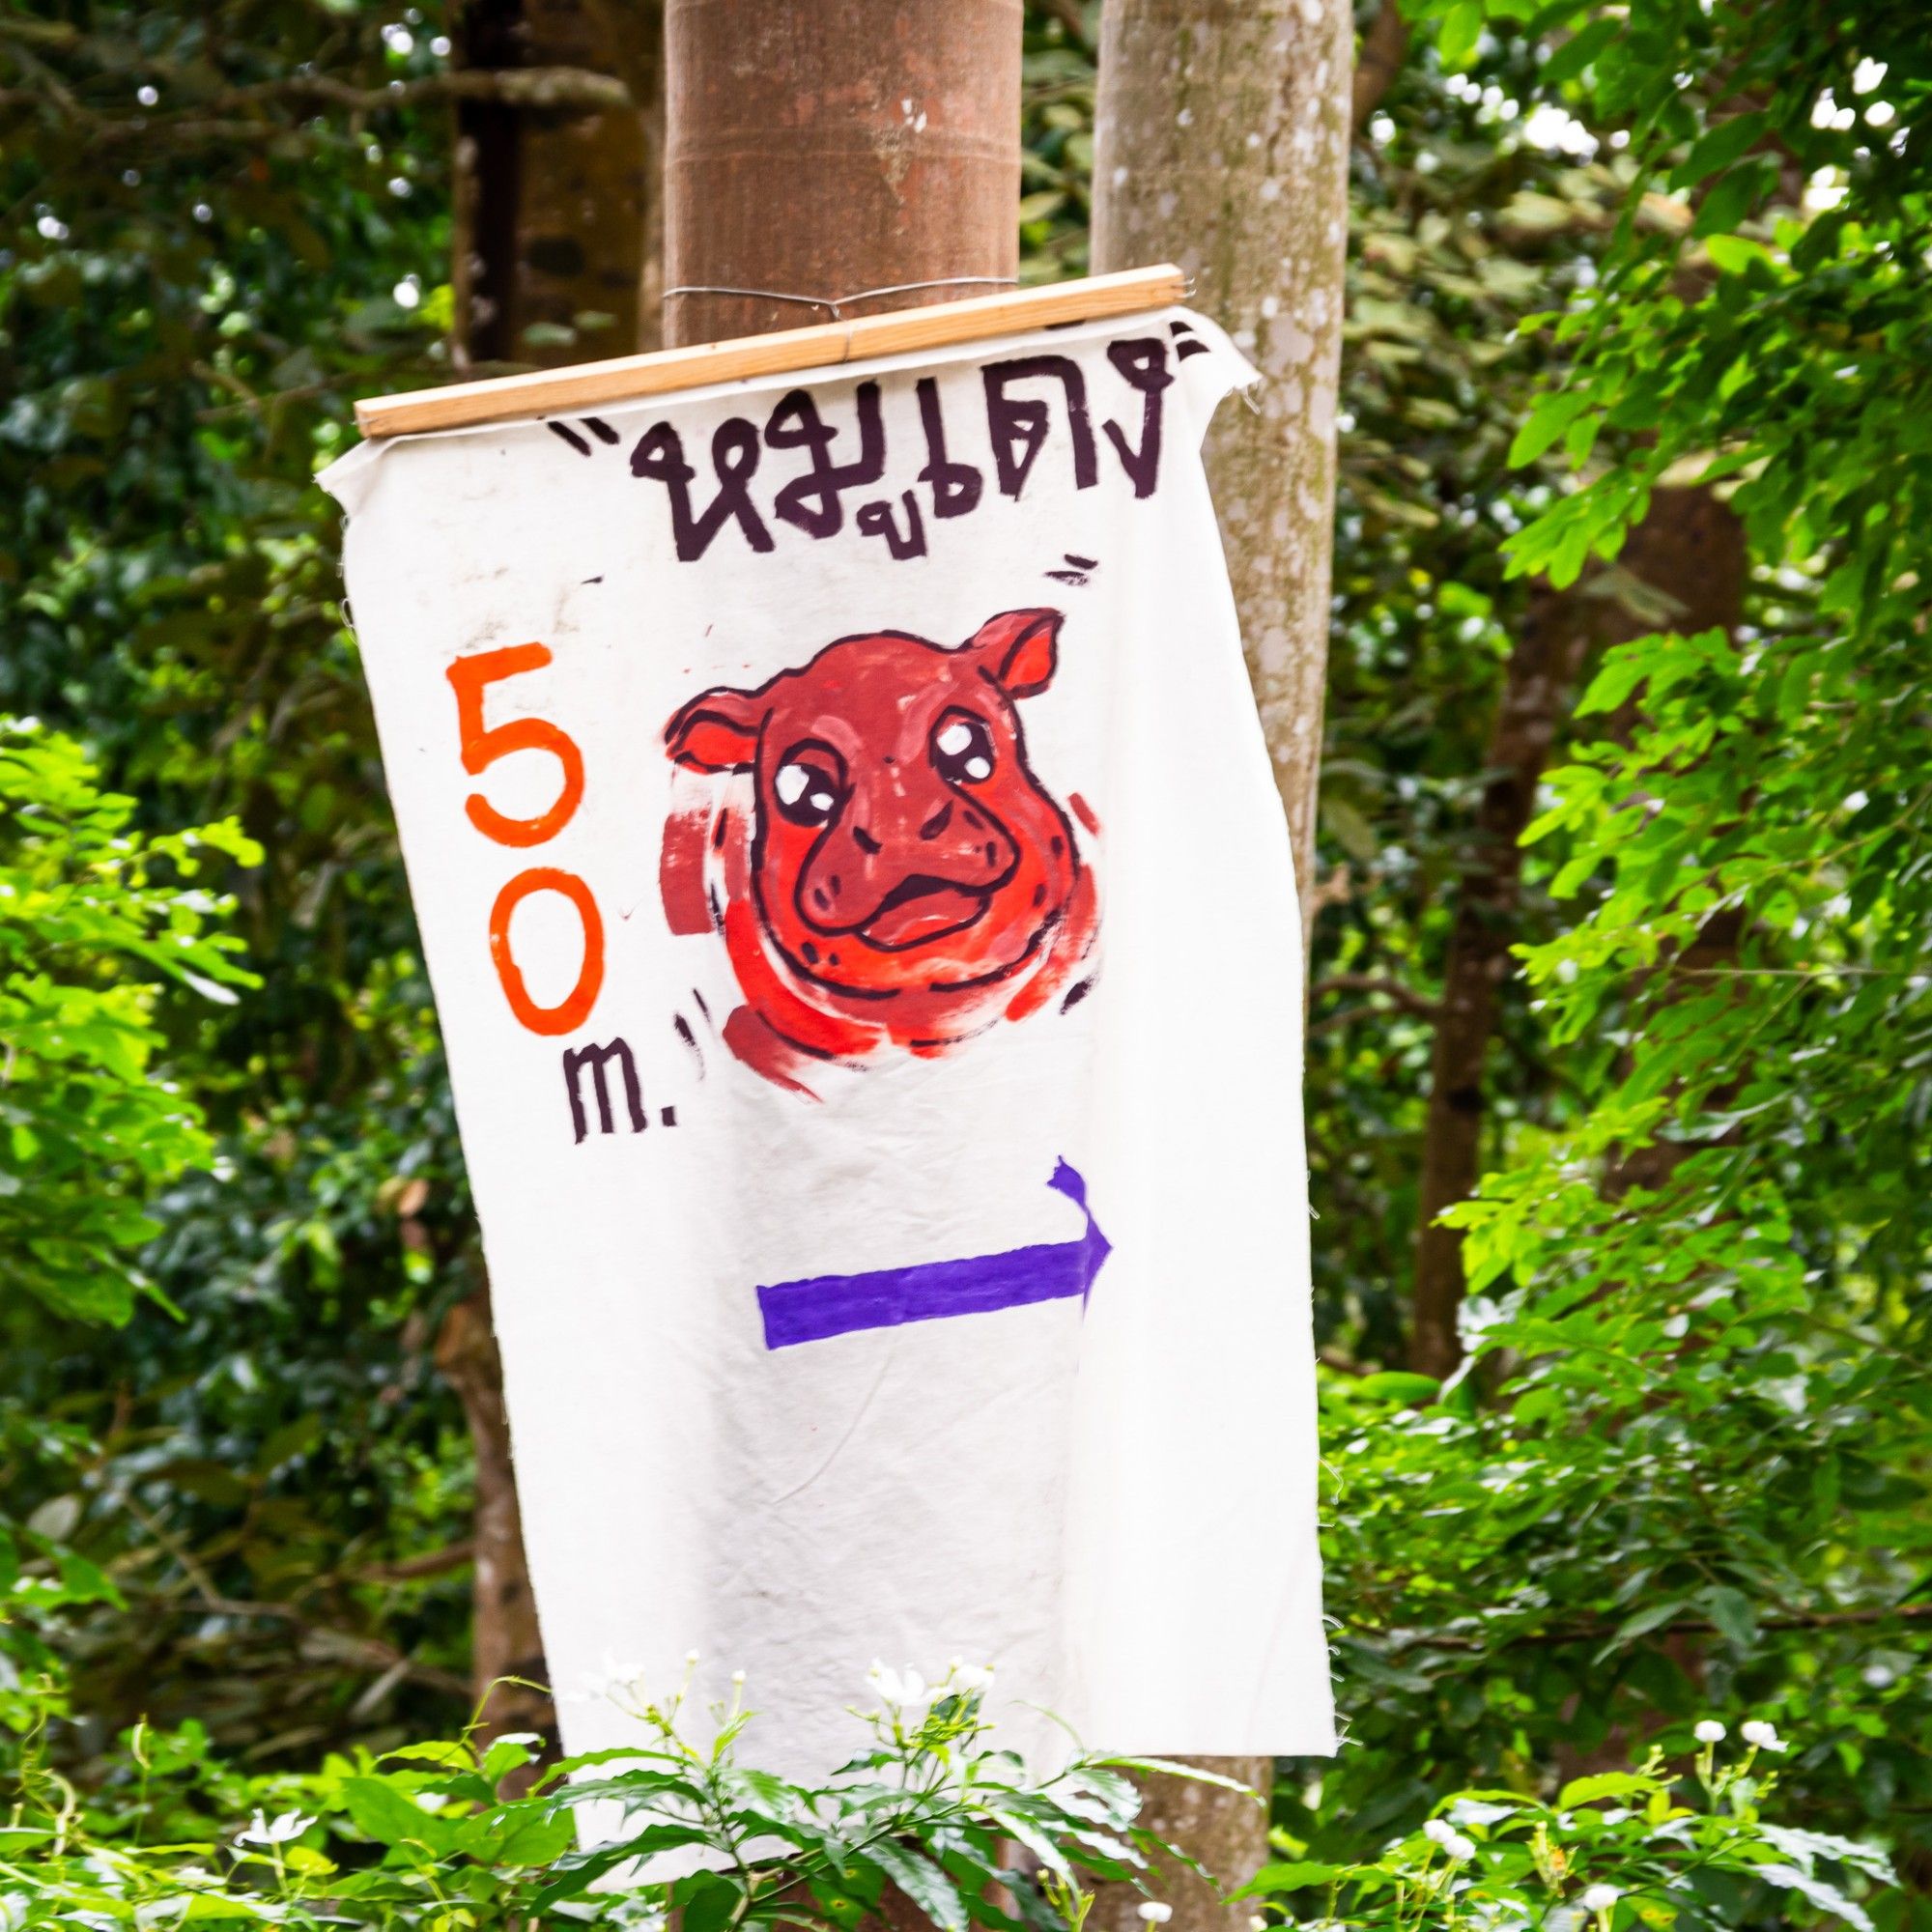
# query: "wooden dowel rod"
x,y
550,391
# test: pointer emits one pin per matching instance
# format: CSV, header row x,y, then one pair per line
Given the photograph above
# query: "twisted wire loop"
x,y
835,306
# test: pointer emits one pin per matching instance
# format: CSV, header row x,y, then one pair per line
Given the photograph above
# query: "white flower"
x,y
904,1689
1460,1850
1761,1734
1601,1898
1438,1831
1708,1732
1154,1912
690,1659
737,1677
288,1826
972,1677
1256,1922
613,1675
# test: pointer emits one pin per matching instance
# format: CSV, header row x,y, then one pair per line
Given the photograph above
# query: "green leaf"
x,y
1640,1623
1399,1385
1617,1784
392,1817
1289,1877
922,1882
1717,148
1734,255
707,1900
1734,1615
1456,39
1165,1766
1729,202
1576,53
1546,423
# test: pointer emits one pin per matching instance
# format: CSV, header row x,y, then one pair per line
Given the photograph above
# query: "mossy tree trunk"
x,y
1222,145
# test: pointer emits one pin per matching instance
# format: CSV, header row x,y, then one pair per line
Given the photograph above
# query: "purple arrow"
x,y
838,1305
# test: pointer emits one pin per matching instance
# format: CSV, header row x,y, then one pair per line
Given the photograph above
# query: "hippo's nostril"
x,y
937,823
864,841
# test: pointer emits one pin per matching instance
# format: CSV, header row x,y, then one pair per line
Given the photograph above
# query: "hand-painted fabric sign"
x,y
861,921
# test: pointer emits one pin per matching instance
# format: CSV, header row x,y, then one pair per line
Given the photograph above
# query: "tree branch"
x,y
1877,1613
514,87
1405,997
431,1563
1378,63
368,1649
555,89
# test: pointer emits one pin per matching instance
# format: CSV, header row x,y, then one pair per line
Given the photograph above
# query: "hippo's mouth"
x,y
921,908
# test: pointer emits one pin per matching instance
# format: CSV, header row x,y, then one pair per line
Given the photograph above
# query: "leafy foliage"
x,y
224,222
928,1807
1688,1462
93,919
1614,1850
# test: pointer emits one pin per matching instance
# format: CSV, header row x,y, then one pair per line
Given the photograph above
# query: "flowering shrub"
x,y
1613,1853
420,1837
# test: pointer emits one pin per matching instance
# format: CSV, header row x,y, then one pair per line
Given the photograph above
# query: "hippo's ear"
x,y
717,730
1019,649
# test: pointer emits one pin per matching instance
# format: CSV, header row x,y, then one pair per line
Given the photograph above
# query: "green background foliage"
x,y
1596,253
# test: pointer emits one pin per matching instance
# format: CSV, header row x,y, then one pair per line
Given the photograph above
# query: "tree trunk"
x,y
1692,546
1222,145
1687,555
558,210
1223,1833
821,151
556,259
505,1641
1377,60
1543,666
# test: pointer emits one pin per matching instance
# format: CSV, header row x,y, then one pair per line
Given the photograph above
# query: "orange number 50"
x,y
483,744
574,1009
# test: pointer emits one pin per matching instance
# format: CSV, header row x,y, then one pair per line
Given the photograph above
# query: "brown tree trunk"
x,y
1543,666
1223,1833
1688,557
558,209
556,259
817,150
1222,144
1377,60
821,151
505,1641
1692,547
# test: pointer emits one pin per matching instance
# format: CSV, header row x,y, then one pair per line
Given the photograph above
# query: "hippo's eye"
x,y
808,784
962,749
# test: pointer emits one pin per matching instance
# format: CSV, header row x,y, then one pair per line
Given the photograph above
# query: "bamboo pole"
x,y
542,392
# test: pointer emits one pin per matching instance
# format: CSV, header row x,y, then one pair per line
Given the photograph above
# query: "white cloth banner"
x,y
861,919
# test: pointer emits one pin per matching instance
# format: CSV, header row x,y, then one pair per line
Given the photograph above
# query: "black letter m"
x,y
595,1057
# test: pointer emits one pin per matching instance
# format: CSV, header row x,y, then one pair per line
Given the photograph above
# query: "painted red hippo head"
x,y
893,872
